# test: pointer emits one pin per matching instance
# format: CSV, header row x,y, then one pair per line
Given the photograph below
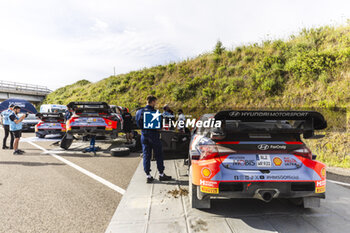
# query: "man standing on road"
x,y
127,125
168,116
150,140
16,128
6,124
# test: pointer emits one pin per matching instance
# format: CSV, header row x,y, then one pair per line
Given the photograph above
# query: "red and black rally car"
x,y
257,154
50,123
92,118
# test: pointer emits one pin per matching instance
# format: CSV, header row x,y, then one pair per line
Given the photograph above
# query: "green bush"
x,y
219,48
209,93
183,93
221,69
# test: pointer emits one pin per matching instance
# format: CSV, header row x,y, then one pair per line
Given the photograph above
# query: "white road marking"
x,y
35,139
340,183
82,170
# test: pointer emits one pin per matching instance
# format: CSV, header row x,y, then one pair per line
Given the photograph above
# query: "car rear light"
x,y
212,151
304,152
36,126
208,151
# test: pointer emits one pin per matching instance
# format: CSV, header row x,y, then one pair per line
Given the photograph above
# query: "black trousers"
x,y
7,132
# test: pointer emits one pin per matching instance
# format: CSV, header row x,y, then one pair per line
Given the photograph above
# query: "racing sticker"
x,y
320,186
242,161
208,183
209,190
320,189
277,161
263,160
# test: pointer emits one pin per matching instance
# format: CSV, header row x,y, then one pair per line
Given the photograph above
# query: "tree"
x,y
219,48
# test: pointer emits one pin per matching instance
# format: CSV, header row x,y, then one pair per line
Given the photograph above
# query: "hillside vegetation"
x,y
310,69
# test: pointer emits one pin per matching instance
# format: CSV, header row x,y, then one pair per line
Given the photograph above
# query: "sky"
x,y
58,42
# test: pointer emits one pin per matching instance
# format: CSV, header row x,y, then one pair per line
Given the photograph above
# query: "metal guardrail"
x,y
23,88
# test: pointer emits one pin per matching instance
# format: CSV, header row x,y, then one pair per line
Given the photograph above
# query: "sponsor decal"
x,y
290,161
206,172
277,161
208,183
263,147
320,183
271,147
209,190
323,172
320,186
278,147
268,114
234,114
320,189
243,162
282,177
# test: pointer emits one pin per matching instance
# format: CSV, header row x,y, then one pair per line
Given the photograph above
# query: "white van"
x,y
53,108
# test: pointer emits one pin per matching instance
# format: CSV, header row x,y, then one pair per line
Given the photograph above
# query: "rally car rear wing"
x,y
89,107
304,122
51,116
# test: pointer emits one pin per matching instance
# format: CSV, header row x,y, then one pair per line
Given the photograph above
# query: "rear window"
x,y
52,119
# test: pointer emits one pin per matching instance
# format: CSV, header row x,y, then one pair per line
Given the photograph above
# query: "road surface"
x,y
39,193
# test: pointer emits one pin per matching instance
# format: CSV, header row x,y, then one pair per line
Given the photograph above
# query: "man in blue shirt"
x,y
68,114
150,140
6,125
16,128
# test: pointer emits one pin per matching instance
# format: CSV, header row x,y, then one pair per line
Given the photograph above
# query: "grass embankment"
x,y
310,69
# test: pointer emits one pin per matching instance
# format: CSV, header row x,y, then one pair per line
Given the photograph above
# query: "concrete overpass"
x,y
29,92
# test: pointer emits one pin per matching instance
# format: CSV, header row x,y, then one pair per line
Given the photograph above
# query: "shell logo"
x,y
277,161
323,172
206,172
110,123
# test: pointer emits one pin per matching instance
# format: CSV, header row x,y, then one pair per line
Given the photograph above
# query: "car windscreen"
x,y
31,117
52,119
58,110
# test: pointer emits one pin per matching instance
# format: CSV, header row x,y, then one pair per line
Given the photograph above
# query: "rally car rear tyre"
x,y
120,151
40,136
194,201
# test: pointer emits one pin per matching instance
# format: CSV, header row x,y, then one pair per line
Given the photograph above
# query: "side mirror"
x,y
314,157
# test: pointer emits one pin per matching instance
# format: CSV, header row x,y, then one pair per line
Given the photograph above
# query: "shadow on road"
x,y
30,163
233,208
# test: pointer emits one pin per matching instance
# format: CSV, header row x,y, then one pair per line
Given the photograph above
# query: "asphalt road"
x,y
39,193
